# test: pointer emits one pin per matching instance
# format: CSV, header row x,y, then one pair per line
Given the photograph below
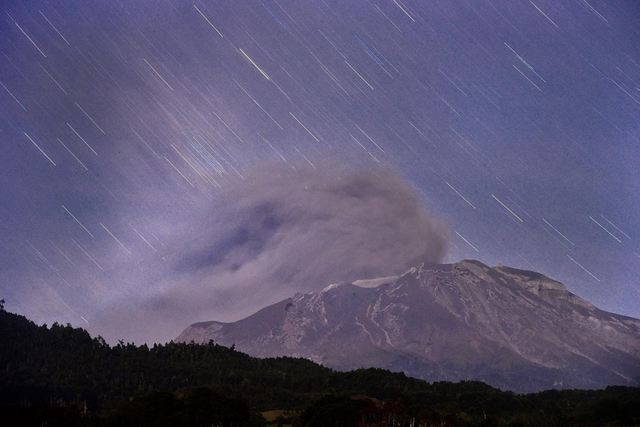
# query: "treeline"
x,y
62,376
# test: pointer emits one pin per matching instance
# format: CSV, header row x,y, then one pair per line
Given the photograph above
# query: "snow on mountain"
x,y
513,329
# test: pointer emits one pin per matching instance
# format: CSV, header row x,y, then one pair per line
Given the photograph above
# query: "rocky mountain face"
x,y
510,328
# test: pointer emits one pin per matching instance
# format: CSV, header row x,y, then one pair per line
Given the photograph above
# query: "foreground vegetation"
x,y
61,376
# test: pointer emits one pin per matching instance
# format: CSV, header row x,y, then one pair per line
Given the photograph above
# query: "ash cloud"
x,y
306,229
283,231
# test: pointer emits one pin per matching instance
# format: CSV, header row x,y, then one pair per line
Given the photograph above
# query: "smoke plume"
x,y
283,231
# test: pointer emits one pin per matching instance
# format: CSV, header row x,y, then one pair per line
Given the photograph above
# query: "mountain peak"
x,y
514,329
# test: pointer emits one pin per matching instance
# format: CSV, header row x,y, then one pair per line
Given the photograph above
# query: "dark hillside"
x,y
62,376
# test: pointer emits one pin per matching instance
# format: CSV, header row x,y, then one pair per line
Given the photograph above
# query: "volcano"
x,y
513,329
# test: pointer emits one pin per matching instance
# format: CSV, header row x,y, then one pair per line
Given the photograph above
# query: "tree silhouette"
x,y
48,376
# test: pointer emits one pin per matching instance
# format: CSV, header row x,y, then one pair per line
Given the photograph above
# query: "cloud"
x,y
283,231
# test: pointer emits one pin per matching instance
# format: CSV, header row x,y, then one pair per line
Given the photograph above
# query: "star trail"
x,y
515,122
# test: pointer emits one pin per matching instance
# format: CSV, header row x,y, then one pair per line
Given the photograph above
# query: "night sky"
x,y
136,135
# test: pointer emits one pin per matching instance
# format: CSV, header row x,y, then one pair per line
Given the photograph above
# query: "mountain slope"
x,y
510,328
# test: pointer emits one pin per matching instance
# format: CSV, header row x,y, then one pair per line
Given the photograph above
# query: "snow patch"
x,y
332,286
374,283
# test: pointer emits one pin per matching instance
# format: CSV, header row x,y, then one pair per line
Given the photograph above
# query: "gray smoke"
x,y
306,229
284,231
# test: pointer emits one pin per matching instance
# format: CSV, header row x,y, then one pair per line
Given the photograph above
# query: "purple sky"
x,y
130,128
